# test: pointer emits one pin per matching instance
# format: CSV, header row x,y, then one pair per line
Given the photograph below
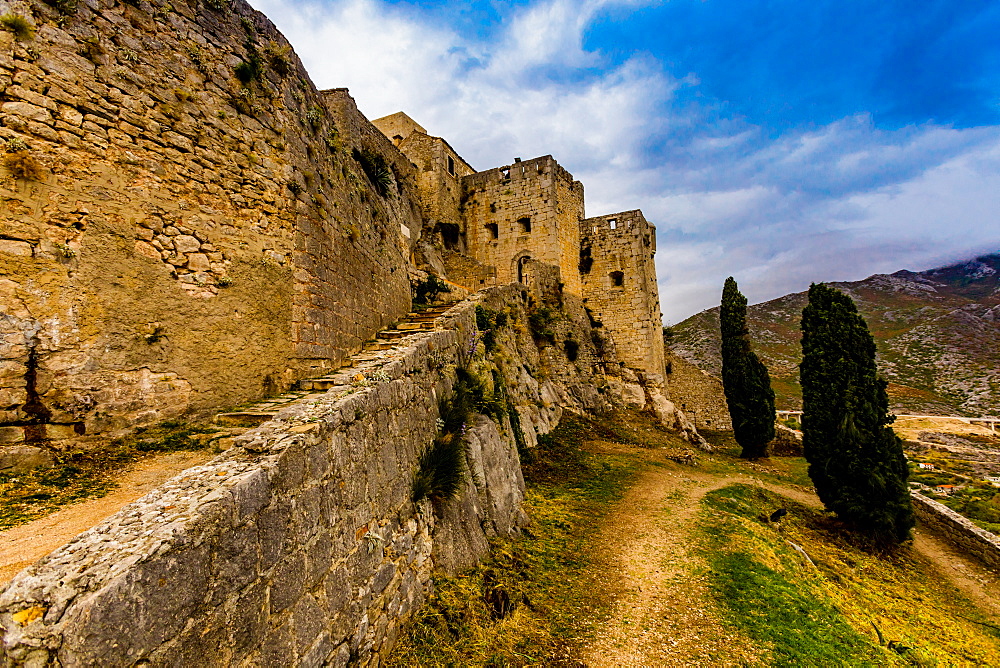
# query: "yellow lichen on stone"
x,y
28,615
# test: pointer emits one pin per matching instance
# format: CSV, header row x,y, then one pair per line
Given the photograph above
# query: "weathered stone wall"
x,y
302,545
538,191
172,238
466,271
615,260
964,534
699,394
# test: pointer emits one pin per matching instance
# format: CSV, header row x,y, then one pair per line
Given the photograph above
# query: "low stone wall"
x,y
698,393
301,546
959,530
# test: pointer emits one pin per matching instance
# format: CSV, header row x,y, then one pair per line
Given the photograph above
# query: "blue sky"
x,y
776,141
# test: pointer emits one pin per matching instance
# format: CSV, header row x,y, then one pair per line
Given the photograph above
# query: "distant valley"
x,y
937,332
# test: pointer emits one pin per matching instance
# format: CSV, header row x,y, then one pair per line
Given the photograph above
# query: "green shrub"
x,y
17,24
488,321
428,289
248,71
376,169
540,322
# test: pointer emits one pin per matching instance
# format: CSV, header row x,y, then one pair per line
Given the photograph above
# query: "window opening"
x,y
494,230
524,224
613,223
451,166
505,172
617,278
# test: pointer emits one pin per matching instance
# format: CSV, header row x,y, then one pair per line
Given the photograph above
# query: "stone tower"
x,y
618,276
529,210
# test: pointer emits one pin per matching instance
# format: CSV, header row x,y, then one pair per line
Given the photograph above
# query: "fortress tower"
x,y
525,211
440,170
618,275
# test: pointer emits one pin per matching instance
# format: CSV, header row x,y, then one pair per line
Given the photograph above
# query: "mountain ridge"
x,y
937,333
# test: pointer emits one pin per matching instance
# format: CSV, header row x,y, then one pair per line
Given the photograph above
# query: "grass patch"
x,y
822,614
534,597
84,475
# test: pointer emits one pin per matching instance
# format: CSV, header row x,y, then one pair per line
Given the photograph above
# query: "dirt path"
x,y
663,614
23,545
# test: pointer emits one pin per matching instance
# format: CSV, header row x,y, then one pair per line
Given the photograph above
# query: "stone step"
x,y
323,384
391,334
244,418
377,345
414,326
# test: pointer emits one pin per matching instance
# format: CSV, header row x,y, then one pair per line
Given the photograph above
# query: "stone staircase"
x,y
372,355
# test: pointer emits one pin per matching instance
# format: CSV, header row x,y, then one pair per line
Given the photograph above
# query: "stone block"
x,y
60,432
185,243
11,434
27,111
19,459
14,247
198,262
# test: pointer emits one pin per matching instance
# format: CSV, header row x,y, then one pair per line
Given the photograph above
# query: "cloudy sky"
x,y
781,142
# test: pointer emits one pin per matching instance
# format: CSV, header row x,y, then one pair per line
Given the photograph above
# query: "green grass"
x,y
821,614
772,606
534,596
81,475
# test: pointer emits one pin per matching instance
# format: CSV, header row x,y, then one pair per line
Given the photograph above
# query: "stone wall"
x,y
960,531
465,271
699,394
302,545
183,223
529,209
615,262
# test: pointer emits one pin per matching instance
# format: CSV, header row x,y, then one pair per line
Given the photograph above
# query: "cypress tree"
x,y
855,459
744,378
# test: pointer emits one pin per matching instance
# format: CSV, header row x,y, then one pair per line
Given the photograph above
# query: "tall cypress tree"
x,y
855,459
744,378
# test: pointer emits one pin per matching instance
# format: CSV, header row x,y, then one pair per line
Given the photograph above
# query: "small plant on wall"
x,y
20,162
376,169
17,24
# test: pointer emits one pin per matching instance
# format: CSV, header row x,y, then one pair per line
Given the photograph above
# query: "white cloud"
x,y
837,202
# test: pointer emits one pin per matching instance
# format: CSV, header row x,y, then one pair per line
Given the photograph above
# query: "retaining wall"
x,y
301,546
959,530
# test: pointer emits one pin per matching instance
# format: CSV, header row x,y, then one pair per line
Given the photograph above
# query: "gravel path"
x,y
663,615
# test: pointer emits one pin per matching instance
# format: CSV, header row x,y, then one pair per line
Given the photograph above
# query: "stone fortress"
x,y
192,241
534,210
187,225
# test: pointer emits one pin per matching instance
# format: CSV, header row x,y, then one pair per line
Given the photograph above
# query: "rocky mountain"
x,y
937,332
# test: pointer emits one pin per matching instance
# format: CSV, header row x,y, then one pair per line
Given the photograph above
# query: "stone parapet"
x,y
958,529
300,546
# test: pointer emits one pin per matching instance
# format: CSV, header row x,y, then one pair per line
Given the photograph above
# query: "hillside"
x,y
937,333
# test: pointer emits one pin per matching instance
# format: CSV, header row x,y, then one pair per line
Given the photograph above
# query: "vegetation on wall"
x,y
855,459
540,321
20,26
744,378
376,169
